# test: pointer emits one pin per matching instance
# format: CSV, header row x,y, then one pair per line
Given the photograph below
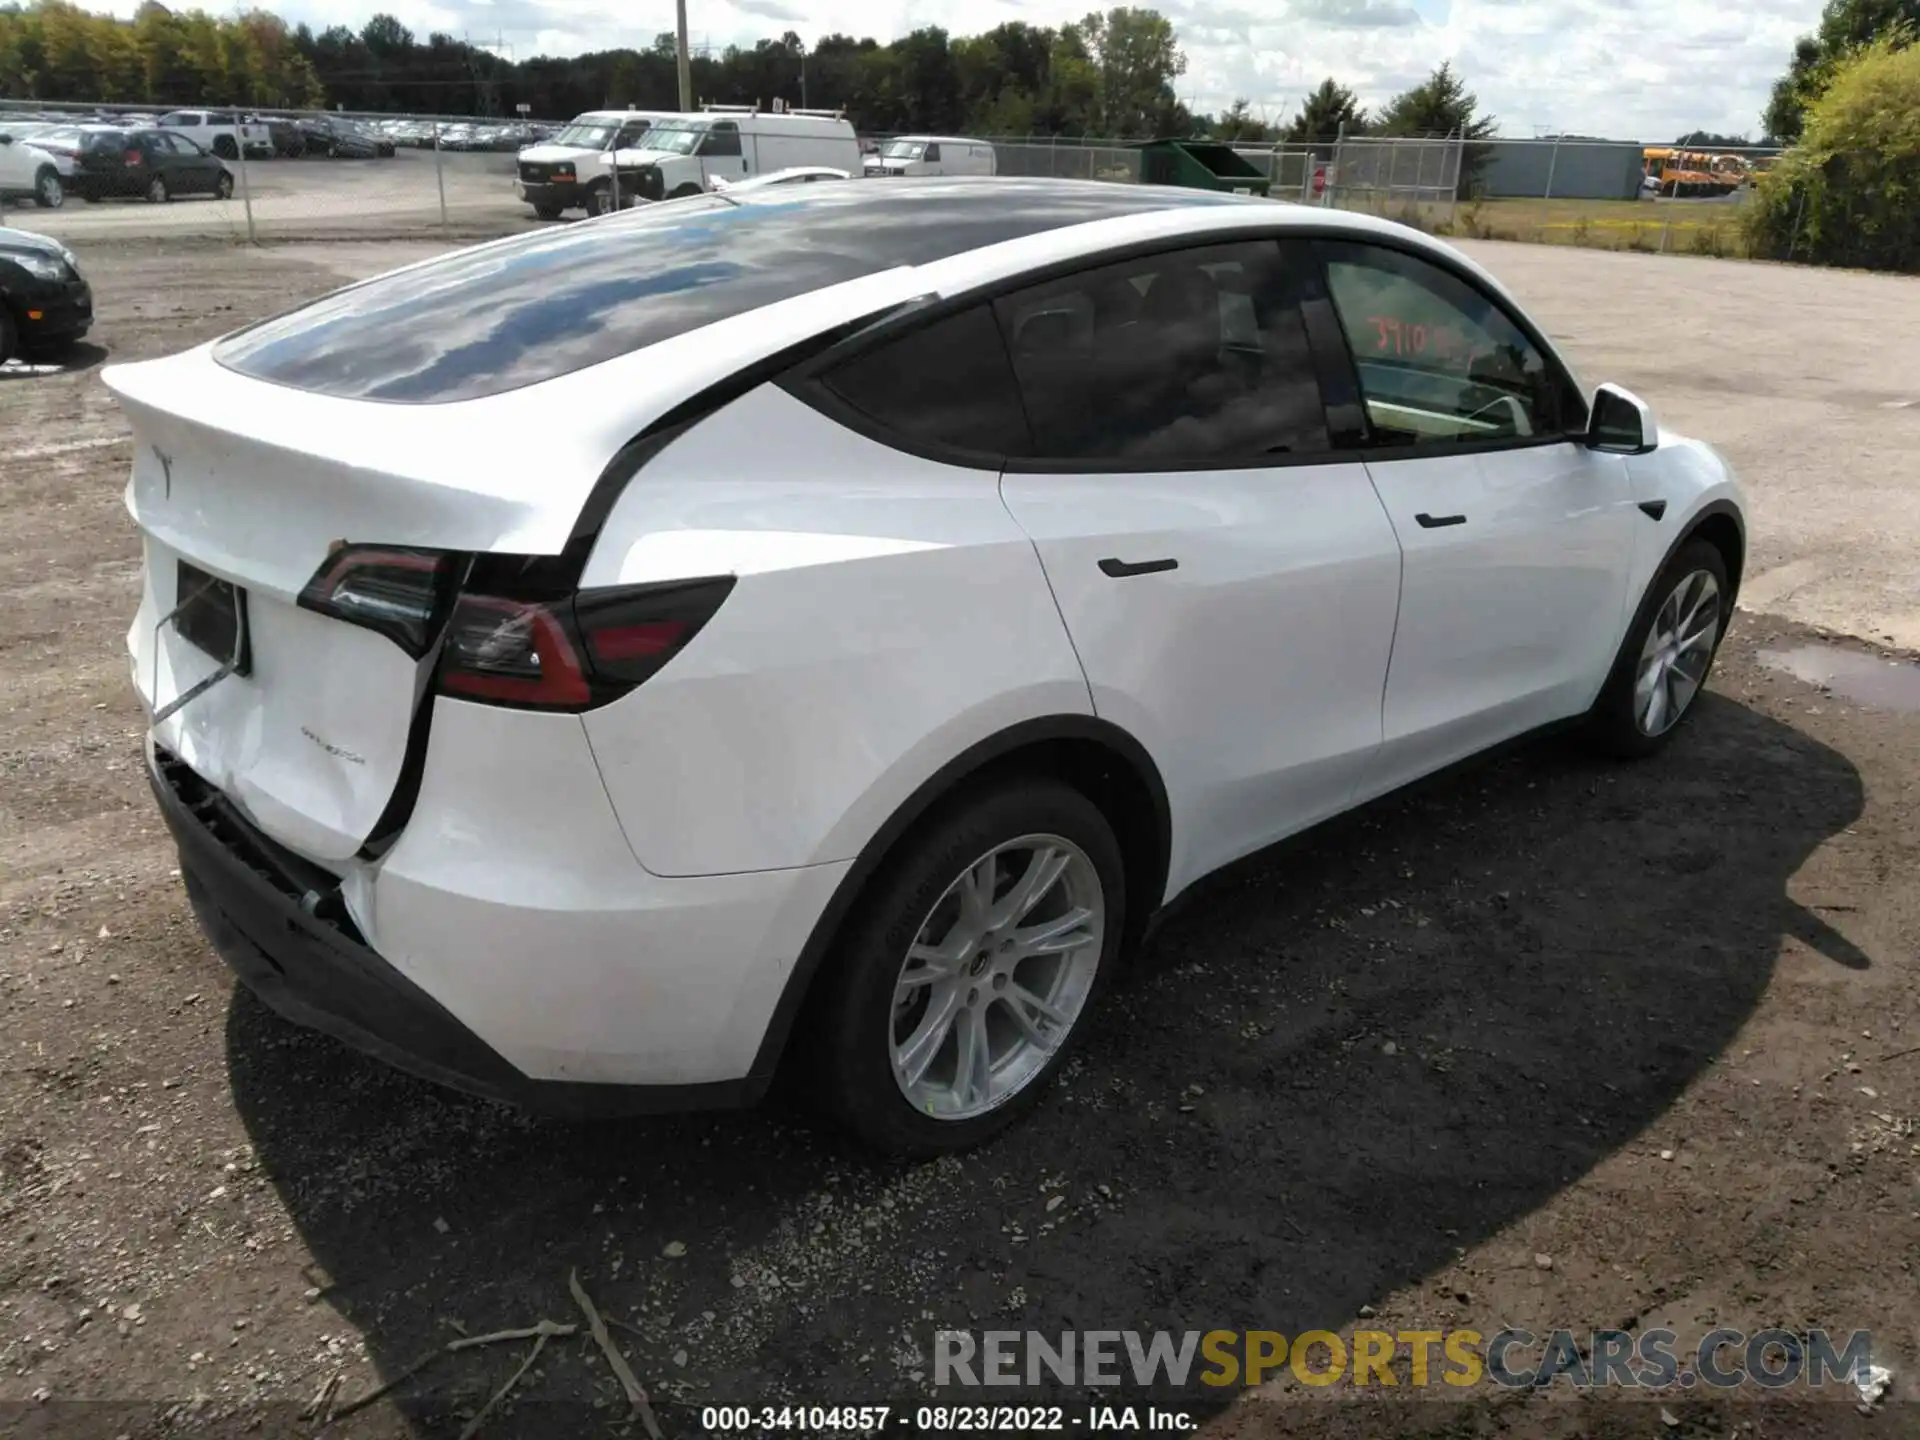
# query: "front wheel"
x,y
223,187
684,191
600,199
968,969
547,212
49,192
157,192
224,147
1663,664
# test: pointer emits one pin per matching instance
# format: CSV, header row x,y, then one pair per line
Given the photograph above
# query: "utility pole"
x,y
686,63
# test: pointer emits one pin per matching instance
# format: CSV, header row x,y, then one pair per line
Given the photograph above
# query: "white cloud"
x,y
1633,69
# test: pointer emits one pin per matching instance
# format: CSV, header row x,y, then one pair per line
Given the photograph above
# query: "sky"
x,y
1627,69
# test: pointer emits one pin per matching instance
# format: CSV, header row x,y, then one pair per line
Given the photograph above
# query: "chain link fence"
x,y
327,175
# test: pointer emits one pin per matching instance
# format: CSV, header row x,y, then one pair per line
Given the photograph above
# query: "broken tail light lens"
x,y
571,652
400,592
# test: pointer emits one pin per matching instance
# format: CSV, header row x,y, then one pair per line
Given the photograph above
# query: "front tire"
x,y
223,187
600,199
966,973
224,147
1663,664
547,212
49,192
9,334
157,192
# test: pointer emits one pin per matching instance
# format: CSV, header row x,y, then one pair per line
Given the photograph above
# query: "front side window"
x,y
1193,357
902,150
631,133
933,152
1439,361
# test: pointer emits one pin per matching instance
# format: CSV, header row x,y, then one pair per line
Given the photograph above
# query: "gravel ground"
x,y
1653,1023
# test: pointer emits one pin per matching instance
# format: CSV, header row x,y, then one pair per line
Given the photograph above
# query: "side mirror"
x,y
1620,423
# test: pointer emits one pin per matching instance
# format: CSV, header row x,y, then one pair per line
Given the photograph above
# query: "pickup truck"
x,y
221,131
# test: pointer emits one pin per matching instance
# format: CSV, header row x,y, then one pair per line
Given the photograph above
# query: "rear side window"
x,y
1192,357
945,384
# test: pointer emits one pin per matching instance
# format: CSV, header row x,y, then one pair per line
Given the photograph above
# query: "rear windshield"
x,y
485,321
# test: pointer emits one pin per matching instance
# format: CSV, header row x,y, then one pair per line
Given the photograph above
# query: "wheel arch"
x,y
1720,524
1095,756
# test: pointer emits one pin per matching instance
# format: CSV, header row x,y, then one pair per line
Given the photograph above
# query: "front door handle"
x,y
1120,569
1439,522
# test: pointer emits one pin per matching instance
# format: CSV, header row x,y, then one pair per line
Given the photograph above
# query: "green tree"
x,y
1325,111
1845,26
1848,192
1238,125
1710,140
1135,58
1441,105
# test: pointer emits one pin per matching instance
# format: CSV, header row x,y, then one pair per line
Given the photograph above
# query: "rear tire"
x,y
1663,664
49,191
924,977
9,334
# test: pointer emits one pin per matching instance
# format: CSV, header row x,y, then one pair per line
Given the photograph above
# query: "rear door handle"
x,y
1120,569
1439,522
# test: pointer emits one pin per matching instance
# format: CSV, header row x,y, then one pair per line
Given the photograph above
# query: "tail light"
x,y
512,629
405,594
571,652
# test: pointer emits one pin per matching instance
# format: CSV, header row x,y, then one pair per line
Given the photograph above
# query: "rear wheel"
x,y
223,187
157,192
1663,664
9,334
968,968
49,191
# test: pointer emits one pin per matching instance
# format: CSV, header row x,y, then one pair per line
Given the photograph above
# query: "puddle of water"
x,y
1864,679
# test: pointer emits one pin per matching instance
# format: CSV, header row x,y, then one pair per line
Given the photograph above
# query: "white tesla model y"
x,y
828,622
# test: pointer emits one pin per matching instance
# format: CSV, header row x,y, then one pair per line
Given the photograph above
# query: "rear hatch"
x,y
243,492
252,492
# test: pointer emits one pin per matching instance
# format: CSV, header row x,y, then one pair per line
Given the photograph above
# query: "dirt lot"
x,y
1656,1025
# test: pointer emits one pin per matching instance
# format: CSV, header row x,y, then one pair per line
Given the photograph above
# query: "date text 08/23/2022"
x,y
942,1419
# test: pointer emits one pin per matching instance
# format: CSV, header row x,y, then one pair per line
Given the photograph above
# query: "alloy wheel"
x,y
996,977
1673,662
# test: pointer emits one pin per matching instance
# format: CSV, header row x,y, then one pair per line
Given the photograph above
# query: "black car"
x,y
43,301
158,164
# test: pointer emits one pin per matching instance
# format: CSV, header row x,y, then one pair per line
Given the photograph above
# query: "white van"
x,y
931,155
687,153
574,169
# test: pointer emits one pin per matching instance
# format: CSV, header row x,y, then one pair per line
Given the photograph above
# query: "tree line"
x,y
1111,74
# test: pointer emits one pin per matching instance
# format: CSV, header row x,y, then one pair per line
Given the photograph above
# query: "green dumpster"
x,y
1199,165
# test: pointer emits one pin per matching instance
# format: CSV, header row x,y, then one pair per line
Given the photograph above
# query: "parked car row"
x,y
99,161
613,159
